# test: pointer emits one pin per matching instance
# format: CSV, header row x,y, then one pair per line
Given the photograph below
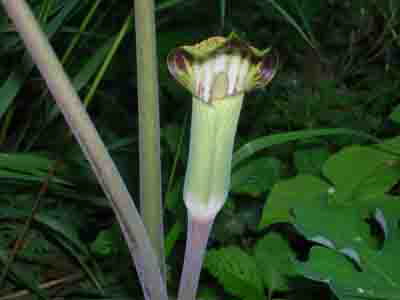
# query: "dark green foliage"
x,y
315,193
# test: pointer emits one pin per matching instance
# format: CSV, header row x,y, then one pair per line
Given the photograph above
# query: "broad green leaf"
x,y
275,259
286,194
361,175
328,223
361,172
256,176
310,160
377,275
236,271
332,267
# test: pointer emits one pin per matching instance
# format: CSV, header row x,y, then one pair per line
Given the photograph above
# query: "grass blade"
x,y
262,143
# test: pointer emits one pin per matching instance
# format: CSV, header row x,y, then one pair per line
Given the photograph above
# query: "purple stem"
x,y
196,243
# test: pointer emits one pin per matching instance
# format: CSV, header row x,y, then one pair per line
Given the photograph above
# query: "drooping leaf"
x,y
263,143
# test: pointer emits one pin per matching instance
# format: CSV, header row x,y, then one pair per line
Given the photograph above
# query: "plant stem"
x,y
106,172
149,128
196,243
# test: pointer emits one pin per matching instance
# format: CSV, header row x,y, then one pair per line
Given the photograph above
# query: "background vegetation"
x,y
316,217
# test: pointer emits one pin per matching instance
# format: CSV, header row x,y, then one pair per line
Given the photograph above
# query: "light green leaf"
x,y
361,172
287,193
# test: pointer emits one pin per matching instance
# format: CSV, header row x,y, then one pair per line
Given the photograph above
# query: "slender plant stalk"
x,y
106,172
149,127
198,231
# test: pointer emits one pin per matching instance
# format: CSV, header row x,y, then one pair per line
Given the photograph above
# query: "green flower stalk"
x,y
217,72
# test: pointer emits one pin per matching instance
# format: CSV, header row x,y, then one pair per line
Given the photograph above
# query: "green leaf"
x,y
23,277
395,115
29,167
256,177
172,237
361,175
377,276
274,259
361,172
263,143
104,244
207,293
14,82
341,227
236,271
310,160
86,72
81,259
25,162
287,193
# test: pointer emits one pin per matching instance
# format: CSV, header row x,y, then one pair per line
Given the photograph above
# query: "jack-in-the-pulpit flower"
x,y
218,72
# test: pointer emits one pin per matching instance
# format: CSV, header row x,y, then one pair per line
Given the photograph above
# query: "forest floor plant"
x,y
218,72
91,144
